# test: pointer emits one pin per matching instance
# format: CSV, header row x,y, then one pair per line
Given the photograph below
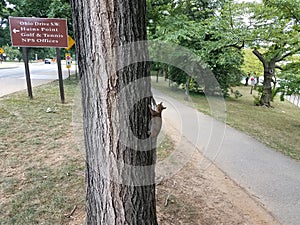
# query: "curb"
x,y
5,68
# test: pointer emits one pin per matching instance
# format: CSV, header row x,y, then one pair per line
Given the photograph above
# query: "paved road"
x,y
271,177
12,76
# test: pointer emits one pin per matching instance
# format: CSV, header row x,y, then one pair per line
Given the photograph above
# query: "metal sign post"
x,y
60,77
27,73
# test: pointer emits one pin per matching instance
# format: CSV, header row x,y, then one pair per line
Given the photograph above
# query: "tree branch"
x,y
289,10
286,55
278,67
235,46
260,57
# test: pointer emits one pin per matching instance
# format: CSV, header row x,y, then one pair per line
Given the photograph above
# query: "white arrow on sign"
x,y
15,30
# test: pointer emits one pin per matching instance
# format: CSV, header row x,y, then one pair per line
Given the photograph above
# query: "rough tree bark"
x,y
120,167
269,70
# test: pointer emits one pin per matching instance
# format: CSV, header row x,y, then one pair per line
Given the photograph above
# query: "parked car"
x,y
47,61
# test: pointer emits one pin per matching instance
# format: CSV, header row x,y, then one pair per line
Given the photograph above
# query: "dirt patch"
x,y
207,197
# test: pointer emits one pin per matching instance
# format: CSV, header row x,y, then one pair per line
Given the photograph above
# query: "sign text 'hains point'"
x,y
38,32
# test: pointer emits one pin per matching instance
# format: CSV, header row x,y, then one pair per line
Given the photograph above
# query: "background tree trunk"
x,y
269,70
266,96
119,156
187,88
157,75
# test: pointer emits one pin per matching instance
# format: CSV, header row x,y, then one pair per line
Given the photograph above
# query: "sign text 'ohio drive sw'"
x,y
38,32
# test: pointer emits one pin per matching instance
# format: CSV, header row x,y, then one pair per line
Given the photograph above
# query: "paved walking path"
x,y
269,176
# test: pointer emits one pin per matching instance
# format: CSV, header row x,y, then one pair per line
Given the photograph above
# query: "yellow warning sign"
x,y
71,42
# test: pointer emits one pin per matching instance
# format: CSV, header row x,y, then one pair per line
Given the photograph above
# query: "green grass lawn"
x,y
42,170
278,127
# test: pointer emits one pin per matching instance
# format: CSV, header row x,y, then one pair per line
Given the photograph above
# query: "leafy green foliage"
x,y
251,64
290,78
4,14
29,8
12,53
2,6
199,26
288,8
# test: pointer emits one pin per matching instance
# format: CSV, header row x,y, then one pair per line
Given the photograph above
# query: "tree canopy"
x,y
217,31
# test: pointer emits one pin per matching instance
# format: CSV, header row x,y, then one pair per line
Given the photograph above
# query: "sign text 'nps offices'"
x,y
38,32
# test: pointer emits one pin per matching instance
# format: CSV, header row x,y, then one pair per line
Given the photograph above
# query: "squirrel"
x,y
156,121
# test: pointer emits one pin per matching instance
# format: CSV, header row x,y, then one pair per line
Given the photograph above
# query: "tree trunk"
x,y
116,91
266,96
187,88
247,81
157,75
269,70
164,71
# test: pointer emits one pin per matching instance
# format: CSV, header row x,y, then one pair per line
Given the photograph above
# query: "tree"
x,y
4,14
223,40
276,33
290,79
115,82
200,26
